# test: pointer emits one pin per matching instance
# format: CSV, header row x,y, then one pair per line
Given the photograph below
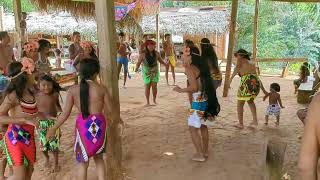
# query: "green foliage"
x,y
26,6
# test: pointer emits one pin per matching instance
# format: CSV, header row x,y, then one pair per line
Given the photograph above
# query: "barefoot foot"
x,y
239,126
253,125
198,158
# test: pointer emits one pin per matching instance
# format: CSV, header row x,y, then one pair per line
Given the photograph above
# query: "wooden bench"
x,y
285,69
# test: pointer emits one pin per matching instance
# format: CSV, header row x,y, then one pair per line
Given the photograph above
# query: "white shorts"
x,y
273,109
195,121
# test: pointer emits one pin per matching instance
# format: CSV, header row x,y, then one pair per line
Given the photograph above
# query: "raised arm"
x,y
309,152
192,87
66,110
4,109
235,72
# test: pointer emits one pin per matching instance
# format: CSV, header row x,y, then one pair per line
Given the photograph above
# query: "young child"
x,y
275,103
49,105
91,99
303,76
57,53
21,103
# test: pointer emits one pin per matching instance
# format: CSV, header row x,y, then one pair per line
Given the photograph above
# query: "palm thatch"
x,y
188,21
64,23
86,9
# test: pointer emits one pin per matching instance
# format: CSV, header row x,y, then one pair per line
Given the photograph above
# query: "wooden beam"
x,y
107,44
234,12
1,19
291,60
292,1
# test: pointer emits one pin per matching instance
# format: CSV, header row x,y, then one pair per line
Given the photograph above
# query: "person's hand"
x,y
51,133
177,89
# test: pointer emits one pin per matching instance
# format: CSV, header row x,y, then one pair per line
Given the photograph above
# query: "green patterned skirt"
x,y
45,145
249,87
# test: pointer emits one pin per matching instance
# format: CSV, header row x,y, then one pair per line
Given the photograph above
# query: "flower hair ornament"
x,y
86,44
31,46
27,67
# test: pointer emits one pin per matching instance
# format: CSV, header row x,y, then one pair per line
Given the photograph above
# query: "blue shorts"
x,y
124,61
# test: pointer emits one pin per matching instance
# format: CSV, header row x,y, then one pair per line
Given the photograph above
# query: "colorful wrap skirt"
x,y
20,146
249,87
150,74
197,111
2,147
45,145
91,134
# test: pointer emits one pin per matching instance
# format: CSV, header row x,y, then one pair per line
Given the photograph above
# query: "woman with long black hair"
x,y
91,99
205,106
150,71
209,55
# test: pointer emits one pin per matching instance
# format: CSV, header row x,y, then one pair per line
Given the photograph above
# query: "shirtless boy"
x,y
169,51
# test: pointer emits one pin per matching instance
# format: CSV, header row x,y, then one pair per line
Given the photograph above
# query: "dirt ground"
x,y
152,132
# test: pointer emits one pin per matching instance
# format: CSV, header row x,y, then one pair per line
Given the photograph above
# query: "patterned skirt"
x,y
249,87
45,145
90,136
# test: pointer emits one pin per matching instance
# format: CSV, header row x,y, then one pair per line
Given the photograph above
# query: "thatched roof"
x,y
53,24
188,21
64,24
85,9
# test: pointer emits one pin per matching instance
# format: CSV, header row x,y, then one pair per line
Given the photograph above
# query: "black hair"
x,y
43,43
93,53
304,71
56,88
208,89
243,53
167,35
24,13
75,33
3,34
121,34
19,83
209,54
275,86
57,51
189,43
88,68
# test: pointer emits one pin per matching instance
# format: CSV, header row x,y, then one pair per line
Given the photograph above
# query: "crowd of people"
x,y
31,100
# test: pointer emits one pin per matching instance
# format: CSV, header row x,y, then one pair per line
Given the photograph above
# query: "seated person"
x,y
303,76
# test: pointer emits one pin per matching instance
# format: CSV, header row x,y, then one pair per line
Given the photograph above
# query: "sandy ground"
x,y
152,131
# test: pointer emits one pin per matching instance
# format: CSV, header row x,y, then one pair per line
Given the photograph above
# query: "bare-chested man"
x,y
75,48
6,51
309,153
122,57
169,51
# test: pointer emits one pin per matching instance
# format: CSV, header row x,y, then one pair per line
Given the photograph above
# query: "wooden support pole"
x,y
158,31
1,19
109,77
255,35
232,35
17,17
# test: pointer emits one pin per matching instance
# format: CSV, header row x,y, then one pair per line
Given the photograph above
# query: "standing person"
x,y
75,48
43,64
250,85
204,107
275,103
309,152
208,54
303,76
6,51
122,57
48,104
30,50
91,99
150,70
170,54
21,103
57,53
